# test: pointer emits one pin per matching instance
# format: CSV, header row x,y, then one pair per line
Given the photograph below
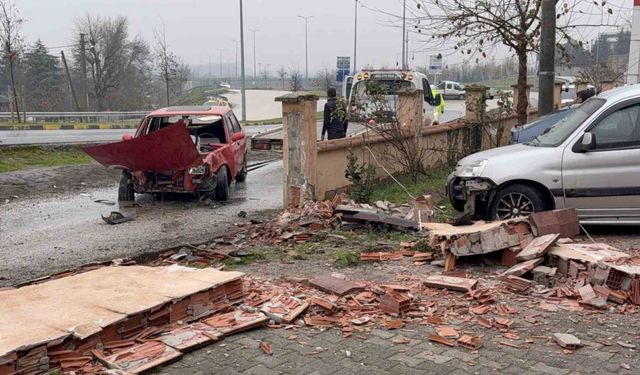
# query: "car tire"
x,y
222,185
242,173
125,189
461,96
515,201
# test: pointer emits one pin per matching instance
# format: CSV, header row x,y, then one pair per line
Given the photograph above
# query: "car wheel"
x,y
516,201
125,190
242,173
461,96
222,185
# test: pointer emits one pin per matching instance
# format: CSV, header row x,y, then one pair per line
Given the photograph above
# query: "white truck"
x,y
354,88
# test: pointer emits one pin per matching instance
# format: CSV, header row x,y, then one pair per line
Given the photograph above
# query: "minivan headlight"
x,y
471,169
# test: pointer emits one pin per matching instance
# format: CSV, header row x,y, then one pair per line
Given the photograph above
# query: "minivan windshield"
x,y
559,132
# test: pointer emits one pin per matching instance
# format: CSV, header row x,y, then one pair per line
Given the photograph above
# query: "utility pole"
x,y
355,37
83,71
404,27
73,90
220,61
243,93
633,73
306,47
546,71
255,73
237,42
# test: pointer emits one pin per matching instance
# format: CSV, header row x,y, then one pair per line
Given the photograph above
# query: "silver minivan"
x,y
589,160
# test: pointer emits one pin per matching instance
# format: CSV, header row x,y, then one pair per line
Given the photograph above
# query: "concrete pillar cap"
x,y
296,97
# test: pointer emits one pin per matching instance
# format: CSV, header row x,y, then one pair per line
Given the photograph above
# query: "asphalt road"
x,y
27,137
44,236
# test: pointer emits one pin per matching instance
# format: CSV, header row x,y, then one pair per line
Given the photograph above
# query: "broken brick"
x,y
266,347
563,221
334,285
394,324
566,340
522,268
441,340
516,284
538,247
447,332
484,322
284,308
142,357
448,282
503,323
395,303
380,256
470,342
323,303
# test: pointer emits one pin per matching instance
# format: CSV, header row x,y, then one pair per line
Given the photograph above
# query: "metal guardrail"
x,y
76,116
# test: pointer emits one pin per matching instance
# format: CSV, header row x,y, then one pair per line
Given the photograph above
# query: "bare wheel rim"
x,y
514,205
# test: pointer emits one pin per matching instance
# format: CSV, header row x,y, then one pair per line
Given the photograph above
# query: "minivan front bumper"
x,y
470,194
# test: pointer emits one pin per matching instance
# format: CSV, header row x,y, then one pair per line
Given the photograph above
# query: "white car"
x,y
451,90
225,85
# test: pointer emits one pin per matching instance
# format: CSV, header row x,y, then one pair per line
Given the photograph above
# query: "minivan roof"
x,y
621,93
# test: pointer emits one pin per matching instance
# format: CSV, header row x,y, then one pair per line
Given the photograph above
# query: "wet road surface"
x,y
44,236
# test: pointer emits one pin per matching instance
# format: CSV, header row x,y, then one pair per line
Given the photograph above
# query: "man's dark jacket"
x,y
336,128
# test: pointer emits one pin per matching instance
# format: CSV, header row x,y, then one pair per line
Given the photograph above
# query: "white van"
x,y
391,81
451,89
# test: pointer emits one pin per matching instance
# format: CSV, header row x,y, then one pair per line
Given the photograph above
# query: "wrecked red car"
x,y
199,149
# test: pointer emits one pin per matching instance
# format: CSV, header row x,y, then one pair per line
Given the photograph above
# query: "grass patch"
x,y
197,95
276,120
346,258
18,158
434,182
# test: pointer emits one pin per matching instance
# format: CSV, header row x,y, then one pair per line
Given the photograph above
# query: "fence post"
x,y
475,111
515,97
606,85
299,147
557,95
410,108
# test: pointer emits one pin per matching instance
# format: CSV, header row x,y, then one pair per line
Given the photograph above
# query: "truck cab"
x,y
389,82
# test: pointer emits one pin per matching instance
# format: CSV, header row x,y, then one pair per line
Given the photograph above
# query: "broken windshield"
x,y
559,132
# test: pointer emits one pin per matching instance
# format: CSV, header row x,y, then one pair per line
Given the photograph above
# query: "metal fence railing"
x,y
71,117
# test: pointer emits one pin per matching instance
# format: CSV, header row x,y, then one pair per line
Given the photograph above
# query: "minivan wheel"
x,y
515,201
461,97
222,185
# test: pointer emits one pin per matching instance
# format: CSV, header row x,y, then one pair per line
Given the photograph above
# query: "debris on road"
x,y
115,217
567,341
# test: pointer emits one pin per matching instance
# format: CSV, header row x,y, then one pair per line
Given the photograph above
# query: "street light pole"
x,y
237,41
306,47
355,36
220,52
404,23
254,53
243,83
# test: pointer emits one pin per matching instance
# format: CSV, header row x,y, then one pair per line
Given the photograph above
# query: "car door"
x,y
449,89
231,151
603,183
241,145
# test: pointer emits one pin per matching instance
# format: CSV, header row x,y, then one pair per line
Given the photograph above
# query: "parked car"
x,y
199,149
589,160
451,89
527,132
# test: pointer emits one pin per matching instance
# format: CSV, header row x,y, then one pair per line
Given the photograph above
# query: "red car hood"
x,y
170,148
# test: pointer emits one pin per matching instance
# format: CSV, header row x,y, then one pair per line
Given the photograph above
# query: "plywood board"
x,y
82,304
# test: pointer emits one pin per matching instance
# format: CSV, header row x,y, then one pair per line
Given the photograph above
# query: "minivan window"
x,y
620,129
559,132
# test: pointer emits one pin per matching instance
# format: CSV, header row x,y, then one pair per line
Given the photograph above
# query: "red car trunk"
x,y
170,148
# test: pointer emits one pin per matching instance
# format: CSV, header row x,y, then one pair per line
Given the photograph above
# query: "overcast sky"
x,y
195,29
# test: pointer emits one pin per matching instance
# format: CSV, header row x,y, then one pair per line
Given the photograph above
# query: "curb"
x,y
67,127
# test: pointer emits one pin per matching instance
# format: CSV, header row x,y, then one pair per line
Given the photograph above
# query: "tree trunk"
x,y
166,81
13,88
523,100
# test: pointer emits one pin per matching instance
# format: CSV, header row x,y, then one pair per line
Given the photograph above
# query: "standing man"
x,y
335,117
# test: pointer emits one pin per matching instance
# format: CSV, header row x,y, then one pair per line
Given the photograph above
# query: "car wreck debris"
x,y
115,218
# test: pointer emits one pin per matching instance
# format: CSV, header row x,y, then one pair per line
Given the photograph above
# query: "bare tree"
x,y
166,62
264,73
10,23
596,74
295,80
113,57
282,73
475,27
326,78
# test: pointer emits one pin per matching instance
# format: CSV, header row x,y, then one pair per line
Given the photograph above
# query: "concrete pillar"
x,y
299,146
409,110
606,85
557,95
580,85
514,89
474,100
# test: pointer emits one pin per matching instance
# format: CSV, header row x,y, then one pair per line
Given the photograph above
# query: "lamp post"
x,y
306,47
355,36
254,53
404,27
220,60
242,85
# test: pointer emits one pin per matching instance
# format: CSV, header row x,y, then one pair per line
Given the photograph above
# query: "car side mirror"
x,y
237,136
127,137
588,141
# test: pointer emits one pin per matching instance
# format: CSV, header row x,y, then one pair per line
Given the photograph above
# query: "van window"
x,y
457,87
559,132
449,86
619,129
440,85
